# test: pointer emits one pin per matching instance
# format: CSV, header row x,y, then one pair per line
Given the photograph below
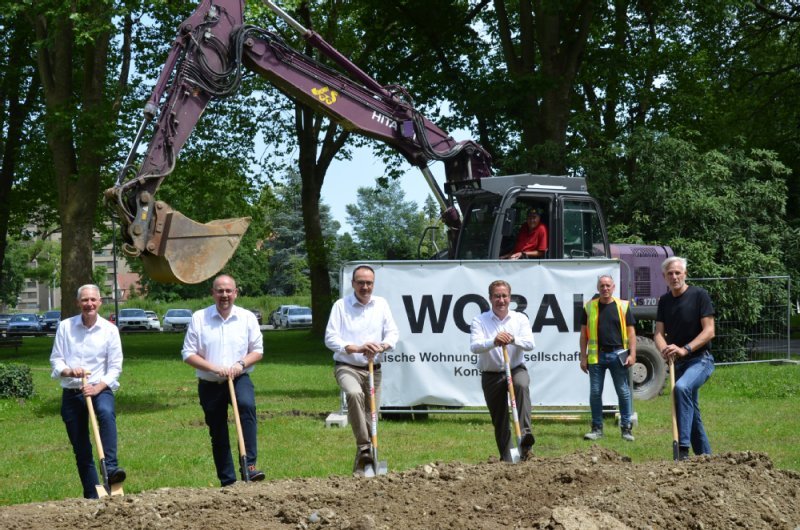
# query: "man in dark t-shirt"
x,y
684,329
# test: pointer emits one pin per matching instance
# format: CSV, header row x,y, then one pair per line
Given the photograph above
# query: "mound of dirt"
x,y
593,489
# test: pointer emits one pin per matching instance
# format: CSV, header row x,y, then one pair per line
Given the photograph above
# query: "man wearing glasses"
x,y
360,328
224,340
490,332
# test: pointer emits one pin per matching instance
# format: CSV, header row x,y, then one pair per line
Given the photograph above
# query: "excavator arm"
x,y
206,62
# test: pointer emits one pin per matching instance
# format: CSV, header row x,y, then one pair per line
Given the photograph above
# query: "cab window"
x,y
583,232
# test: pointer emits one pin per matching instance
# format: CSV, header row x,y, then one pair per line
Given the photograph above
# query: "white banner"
x,y
434,302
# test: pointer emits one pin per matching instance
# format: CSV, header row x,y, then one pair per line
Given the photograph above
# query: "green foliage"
x,y
385,226
724,210
15,381
32,259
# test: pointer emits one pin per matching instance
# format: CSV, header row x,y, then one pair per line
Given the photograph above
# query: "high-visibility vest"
x,y
593,317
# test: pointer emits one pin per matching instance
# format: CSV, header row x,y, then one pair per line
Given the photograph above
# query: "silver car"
x,y
297,317
177,319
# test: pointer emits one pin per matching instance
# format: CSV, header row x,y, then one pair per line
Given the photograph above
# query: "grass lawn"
x,y
163,441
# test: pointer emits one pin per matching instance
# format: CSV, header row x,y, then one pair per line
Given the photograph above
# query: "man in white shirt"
x,y
361,327
489,332
89,344
224,340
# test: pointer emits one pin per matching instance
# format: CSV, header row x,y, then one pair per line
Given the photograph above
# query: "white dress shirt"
x,y
96,349
222,341
485,328
352,322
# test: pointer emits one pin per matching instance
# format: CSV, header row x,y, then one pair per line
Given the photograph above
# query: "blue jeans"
x,y
619,374
690,375
76,419
215,398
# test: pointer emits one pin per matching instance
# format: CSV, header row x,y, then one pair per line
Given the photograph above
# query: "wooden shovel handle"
x,y
238,421
93,418
675,437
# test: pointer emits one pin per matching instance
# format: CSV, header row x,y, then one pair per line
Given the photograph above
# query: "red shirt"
x,y
528,240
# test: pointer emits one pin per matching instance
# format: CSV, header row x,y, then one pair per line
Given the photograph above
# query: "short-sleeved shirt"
x,y
609,334
222,341
528,240
681,316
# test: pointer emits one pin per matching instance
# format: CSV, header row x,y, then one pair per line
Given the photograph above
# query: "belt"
x,y
609,349
223,382
376,366
72,390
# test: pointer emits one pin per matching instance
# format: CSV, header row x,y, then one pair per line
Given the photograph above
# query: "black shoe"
x,y
525,446
255,474
683,453
528,440
117,476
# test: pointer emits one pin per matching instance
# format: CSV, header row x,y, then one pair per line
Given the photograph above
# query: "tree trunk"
x,y
17,111
73,77
547,55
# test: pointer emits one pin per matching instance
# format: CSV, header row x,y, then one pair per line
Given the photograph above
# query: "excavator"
x,y
206,62
482,211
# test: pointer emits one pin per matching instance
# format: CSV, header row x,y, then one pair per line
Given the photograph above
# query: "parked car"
x,y
131,319
177,319
257,313
278,314
22,323
51,320
297,317
155,323
4,318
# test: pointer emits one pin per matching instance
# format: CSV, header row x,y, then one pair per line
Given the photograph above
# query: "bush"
x,y
15,381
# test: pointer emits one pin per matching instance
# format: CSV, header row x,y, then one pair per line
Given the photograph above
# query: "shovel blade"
x,y
180,250
369,471
515,456
101,491
116,489
383,468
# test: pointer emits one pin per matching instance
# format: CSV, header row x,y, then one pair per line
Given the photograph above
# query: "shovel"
x,y
376,467
102,489
675,449
515,452
239,436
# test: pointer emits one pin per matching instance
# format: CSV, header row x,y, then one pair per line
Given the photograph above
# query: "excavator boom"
x,y
212,47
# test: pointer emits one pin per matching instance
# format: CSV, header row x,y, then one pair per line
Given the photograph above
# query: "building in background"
x,y
37,297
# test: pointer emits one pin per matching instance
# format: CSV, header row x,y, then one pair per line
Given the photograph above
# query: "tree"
x,y
18,99
288,272
385,226
33,259
75,60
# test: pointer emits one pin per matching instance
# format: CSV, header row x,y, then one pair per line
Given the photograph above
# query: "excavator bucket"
x,y
181,250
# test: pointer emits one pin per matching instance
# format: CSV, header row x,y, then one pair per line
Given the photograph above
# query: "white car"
x,y
177,319
155,324
131,319
280,315
297,317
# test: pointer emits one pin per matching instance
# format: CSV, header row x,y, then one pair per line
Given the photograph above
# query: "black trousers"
x,y
495,391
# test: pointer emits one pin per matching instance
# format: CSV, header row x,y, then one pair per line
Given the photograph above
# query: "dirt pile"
x,y
593,489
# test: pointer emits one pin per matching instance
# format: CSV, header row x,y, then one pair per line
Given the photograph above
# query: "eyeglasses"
x,y
224,291
363,283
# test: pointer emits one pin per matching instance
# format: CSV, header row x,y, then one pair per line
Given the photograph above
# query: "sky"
x,y
344,177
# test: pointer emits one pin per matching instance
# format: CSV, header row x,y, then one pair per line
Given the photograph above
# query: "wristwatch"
x,y
242,363
688,350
